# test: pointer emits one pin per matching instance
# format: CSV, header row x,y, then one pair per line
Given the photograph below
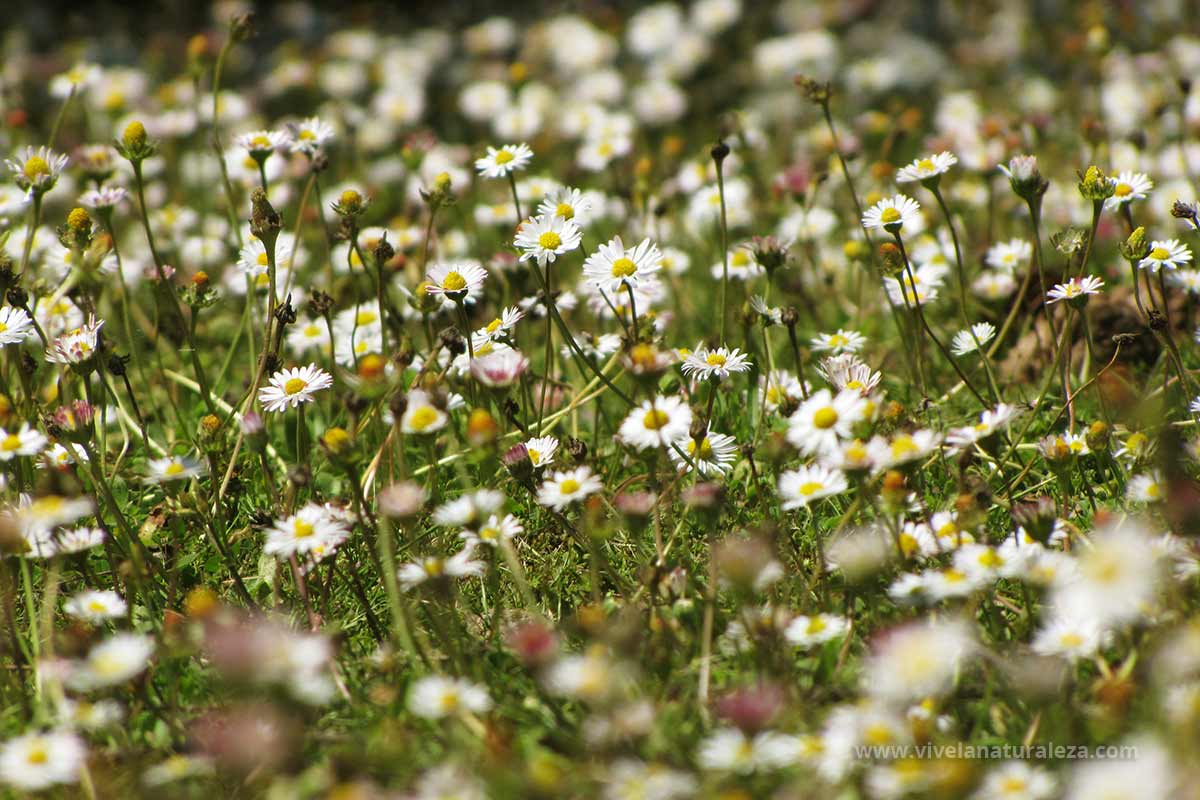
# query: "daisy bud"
x,y
371,367
265,222
197,47
1095,186
452,341
1055,450
402,500
719,152
7,278
241,27
815,91
892,259
636,507
751,708
1187,211
384,252
78,232
200,603
210,426
134,136
704,497
1025,179
481,428
856,250
748,564
254,431
349,204
338,443
894,488
534,642
1136,247
516,460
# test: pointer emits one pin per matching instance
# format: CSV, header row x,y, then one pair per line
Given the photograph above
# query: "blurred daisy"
x,y
1127,187
1009,255
173,468
544,238
35,761
969,341
309,135
1145,488
810,631
503,161
437,696
922,169
421,415
1075,289
495,531
1169,253
459,565
112,662
562,489
566,203
718,363
260,144
837,343
1071,638
892,214
95,606
15,325
24,442
799,487
731,750
1016,780
290,387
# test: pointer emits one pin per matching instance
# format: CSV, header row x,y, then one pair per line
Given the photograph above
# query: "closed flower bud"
x,y
402,500
719,152
265,222
892,259
516,460
337,442
1095,186
816,91
1098,436
894,488
1136,247
134,136
200,603
349,204
481,428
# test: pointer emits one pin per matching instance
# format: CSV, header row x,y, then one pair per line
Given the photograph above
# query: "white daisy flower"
x,y
731,750
923,169
541,450
173,468
567,203
717,363
902,448
1008,256
892,214
612,266
810,631
312,528
36,761
456,280
469,509
290,387
544,238
501,325
1127,187
437,696
1169,253
36,171
309,135
838,343
15,325
800,487
494,531
969,341
24,442
112,662
501,162
76,346
95,606
1072,637
1145,488
459,565
656,423
823,419
1079,288
1016,780
562,489
260,144
421,416
713,456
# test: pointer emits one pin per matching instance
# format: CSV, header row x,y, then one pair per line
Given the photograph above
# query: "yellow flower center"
x,y
11,442
434,567
809,488
174,468
490,534
503,157
925,165
1070,640
454,282
715,360
889,216
534,456
96,606
302,529
261,260
1159,254
816,625
655,419
1123,190
312,331
307,136
423,417
1153,491
739,259
706,450
549,241
837,340
261,142
494,325
369,317
990,559
623,268
295,385
564,210
3,327
37,755
902,446
825,418
569,486
36,167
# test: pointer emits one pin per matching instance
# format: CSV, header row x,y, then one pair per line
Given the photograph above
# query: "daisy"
x,y
1007,256
311,528
731,750
1145,488
823,419
808,632
566,203
1016,780
837,343
1127,187
76,346
612,267
902,448
499,368
467,510
421,415
994,285
990,421
504,161
541,450
716,364
432,568
891,214
799,487
173,468
260,144
95,606
437,696
36,761
494,532
925,169
291,387
103,198
1071,638
302,337
778,388
656,423
969,341
566,487
112,662
456,281
25,442
501,325
1187,279
544,238
918,659
741,265
15,325
1169,253
1075,289
309,135
36,171
714,454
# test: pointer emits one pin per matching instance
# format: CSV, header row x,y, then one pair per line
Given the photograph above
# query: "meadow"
x,y
646,401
